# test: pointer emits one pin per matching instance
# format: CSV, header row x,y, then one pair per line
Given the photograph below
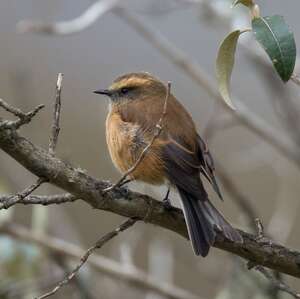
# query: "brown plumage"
x,y
178,156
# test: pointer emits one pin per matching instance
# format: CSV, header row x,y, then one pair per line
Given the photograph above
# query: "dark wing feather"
x,y
183,167
207,165
182,160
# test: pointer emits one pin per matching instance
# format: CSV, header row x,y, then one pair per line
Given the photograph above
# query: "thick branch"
x,y
133,204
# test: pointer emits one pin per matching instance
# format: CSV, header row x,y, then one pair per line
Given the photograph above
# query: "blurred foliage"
x,y
19,262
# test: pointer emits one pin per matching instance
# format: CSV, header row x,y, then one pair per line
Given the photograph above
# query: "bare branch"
x,y
13,110
157,132
86,19
14,199
107,237
56,116
98,262
45,200
276,283
260,228
24,118
133,204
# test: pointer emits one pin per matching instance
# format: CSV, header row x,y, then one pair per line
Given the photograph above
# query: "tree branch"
x,y
101,263
21,196
133,204
86,19
45,200
107,237
56,115
23,118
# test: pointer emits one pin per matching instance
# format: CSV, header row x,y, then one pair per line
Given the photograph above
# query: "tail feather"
x,y
220,222
203,221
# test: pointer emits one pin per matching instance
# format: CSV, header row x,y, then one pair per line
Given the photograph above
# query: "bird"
x,y
178,157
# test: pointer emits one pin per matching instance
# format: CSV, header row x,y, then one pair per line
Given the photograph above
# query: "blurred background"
x,y
265,180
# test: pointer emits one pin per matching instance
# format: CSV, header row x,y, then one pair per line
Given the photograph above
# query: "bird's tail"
x,y
203,221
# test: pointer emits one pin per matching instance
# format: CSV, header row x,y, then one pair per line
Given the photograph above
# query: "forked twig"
x,y
14,199
157,132
24,118
107,237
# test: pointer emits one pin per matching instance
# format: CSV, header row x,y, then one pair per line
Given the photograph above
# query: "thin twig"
x,y
26,118
107,237
157,132
23,118
260,228
102,264
22,195
56,115
44,200
278,284
275,280
13,110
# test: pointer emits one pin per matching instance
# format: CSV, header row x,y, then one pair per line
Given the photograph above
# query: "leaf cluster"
x,y
274,36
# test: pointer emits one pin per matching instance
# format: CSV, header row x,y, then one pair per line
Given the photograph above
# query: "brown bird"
x,y
177,157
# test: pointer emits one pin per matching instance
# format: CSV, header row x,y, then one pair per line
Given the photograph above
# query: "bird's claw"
x,y
167,204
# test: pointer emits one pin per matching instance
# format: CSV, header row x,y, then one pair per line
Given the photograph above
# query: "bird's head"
x,y
134,87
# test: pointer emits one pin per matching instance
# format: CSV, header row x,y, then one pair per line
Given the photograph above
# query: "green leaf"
x,y
224,64
247,3
278,41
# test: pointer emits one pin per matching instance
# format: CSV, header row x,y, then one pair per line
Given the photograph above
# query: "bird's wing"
x,y
183,149
207,165
183,164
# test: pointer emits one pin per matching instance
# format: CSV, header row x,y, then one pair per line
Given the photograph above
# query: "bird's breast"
x,y
126,142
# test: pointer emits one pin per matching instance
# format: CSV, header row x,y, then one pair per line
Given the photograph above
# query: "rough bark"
x,y
124,202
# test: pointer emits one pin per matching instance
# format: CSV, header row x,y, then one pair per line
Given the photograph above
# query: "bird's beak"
x,y
106,92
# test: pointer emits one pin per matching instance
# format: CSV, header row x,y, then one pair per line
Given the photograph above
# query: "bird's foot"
x,y
125,183
121,184
167,204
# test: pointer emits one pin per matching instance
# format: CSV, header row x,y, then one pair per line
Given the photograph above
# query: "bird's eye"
x,y
124,90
